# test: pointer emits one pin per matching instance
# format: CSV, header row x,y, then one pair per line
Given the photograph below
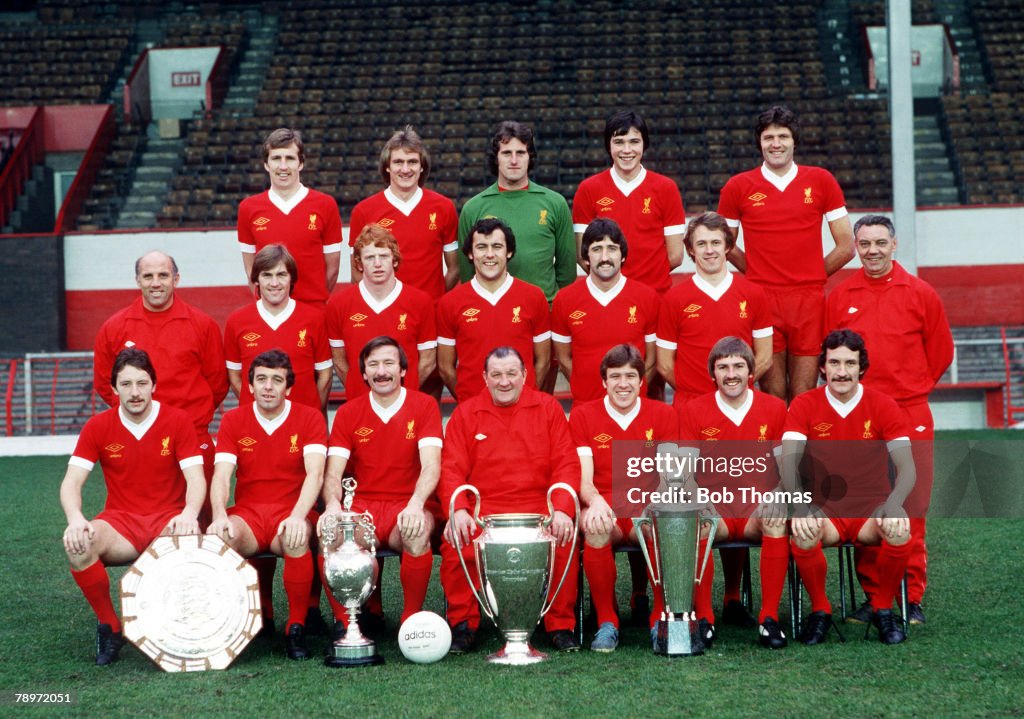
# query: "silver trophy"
x,y
676,567
350,570
515,558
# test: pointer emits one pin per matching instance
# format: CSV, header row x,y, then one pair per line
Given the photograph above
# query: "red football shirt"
x,y
858,471
647,209
270,454
309,226
596,425
354,318
781,221
425,228
141,463
593,322
299,331
382,444
475,321
695,315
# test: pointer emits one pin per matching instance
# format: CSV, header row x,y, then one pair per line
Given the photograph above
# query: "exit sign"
x,y
186,79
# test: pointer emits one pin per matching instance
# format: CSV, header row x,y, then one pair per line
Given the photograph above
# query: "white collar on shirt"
x,y
373,303
715,292
736,416
271,425
623,420
781,183
605,297
843,409
386,413
275,321
139,429
404,206
290,204
492,297
627,186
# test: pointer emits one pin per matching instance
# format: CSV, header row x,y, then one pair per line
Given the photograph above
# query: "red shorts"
x,y
385,514
848,527
626,525
735,526
139,529
264,519
798,319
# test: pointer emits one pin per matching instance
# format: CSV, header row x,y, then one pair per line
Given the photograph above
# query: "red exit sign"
x,y
186,79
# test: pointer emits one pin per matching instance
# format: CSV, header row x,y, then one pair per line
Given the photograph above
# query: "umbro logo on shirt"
x,y
260,223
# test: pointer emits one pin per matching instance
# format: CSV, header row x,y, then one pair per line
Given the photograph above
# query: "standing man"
x,y
712,304
512,443
620,415
539,217
276,320
600,310
646,205
390,441
850,481
380,304
493,307
153,472
305,221
277,448
781,206
902,318
184,345
736,421
423,222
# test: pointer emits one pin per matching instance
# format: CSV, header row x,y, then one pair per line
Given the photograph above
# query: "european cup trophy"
x,y
676,567
350,571
515,558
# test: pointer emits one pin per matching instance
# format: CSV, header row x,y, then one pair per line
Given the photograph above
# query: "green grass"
x,y
967,661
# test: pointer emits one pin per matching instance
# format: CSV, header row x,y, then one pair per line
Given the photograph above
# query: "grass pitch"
x,y
967,661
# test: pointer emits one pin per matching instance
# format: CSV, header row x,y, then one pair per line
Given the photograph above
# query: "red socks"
x,y
95,585
414,574
892,563
774,565
298,574
599,566
813,567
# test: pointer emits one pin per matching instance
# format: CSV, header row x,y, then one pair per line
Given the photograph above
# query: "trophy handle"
x,y
575,534
713,521
366,522
654,567
480,597
329,530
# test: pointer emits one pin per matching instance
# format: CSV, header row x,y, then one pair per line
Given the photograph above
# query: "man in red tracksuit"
x,y
512,443
902,319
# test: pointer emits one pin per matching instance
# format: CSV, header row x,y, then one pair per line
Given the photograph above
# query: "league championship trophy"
x,y
350,570
515,558
676,568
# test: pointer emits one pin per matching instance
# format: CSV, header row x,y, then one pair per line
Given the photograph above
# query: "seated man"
x,y
278,447
741,422
512,443
153,470
390,441
869,511
620,415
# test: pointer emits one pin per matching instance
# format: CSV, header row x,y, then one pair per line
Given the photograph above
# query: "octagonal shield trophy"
x,y
190,603
677,568
515,559
350,571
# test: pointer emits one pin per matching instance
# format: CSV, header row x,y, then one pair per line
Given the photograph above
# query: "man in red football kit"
x,y
390,441
276,320
278,448
851,481
183,343
153,472
423,222
712,304
512,443
491,308
305,221
646,205
750,424
594,425
600,310
901,317
780,207
380,305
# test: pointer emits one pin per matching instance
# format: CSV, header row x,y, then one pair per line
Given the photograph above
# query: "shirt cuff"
x,y
542,337
836,214
226,457
793,435
763,332
331,249
428,345
343,452
665,344
314,449
337,344
196,461
564,339
430,442
579,228
451,247
81,463
584,452
233,365
446,341
326,364
247,249
675,230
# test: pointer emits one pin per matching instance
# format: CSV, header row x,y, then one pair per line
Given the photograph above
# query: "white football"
x,y
424,638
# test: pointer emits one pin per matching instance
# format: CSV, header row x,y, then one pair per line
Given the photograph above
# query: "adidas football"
x,y
424,638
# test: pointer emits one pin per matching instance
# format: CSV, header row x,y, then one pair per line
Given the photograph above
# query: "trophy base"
x,y
677,638
360,655
517,654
